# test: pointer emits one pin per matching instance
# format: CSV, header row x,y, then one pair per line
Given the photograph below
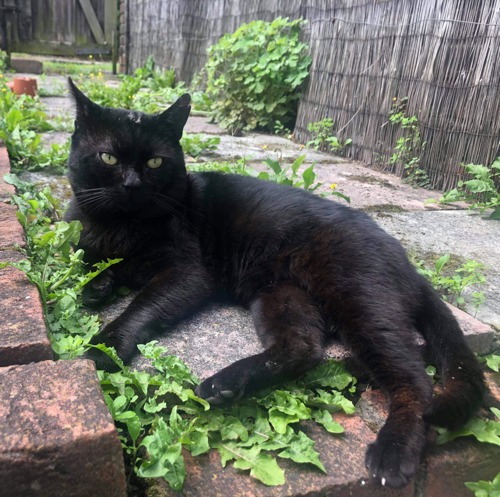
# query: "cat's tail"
x,y
463,387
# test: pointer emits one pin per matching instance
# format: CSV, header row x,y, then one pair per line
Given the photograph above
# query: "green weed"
x,y
322,136
485,488
482,190
22,118
409,147
196,144
451,285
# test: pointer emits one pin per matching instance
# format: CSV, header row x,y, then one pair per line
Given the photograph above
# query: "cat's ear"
x,y
177,115
85,108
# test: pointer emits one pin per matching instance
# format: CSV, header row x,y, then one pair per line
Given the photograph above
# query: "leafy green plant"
x,y
4,61
409,147
322,136
484,430
21,119
254,75
148,90
452,285
160,412
289,175
282,174
196,144
482,190
56,269
485,488
492,361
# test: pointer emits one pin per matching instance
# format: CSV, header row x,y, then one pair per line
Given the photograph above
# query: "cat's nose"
x,y
131,180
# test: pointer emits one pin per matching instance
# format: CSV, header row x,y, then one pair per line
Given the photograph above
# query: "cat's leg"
x,y
292,330
389,352
169,297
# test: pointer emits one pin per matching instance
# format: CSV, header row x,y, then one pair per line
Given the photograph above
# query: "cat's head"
x,y
124,161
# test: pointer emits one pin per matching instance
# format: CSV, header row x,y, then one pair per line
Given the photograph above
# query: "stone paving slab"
x,y
58,438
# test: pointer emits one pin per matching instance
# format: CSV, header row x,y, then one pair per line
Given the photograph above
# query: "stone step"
x,y
57,436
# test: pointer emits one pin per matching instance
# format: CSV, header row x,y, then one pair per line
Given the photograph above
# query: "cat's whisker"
x,y
161,202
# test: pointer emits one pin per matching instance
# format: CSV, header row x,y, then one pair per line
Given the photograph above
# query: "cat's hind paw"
x,y
392,464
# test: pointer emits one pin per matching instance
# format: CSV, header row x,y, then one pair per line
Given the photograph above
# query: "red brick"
x,y
6,190
11,232
23,335
479,336
57,436
450,465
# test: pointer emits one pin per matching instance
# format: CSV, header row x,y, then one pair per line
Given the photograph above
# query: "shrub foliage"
x,y
254,75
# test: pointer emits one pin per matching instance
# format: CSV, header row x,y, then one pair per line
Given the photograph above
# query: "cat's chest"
x,y
122,240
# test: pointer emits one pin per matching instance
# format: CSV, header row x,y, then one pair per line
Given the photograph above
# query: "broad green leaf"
x,y
233,429
324,418
263,467
301,450
330,374
199,442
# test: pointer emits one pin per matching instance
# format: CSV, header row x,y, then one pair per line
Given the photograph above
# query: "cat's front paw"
x,y
102,360
221,388
393,464
97,291
112,335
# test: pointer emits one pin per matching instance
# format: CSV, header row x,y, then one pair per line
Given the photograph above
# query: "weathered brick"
x,y
6,190
11,232
479,336
23,335
450,465
57,436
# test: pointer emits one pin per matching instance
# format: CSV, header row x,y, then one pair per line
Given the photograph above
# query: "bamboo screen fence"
x,y
443,55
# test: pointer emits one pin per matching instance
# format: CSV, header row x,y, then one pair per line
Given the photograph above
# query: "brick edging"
x,y
57,436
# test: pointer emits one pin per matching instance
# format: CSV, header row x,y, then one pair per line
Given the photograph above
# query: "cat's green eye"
x,y
108,159
154,162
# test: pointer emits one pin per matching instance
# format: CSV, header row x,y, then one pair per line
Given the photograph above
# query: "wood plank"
x,y
110,20
97,31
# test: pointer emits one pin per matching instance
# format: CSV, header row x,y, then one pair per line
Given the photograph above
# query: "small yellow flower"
x,y
4,89
1,76
264,147
91,57
395,98
333,186
81,74
91,74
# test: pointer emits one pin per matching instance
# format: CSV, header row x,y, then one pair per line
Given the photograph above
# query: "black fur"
x,y
307,268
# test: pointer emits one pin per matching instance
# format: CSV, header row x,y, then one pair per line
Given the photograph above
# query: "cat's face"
x,y
124,161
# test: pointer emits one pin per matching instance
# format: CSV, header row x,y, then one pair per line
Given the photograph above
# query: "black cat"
x,y
308,269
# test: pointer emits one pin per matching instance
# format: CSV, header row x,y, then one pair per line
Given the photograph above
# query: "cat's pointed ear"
x,y
177,115
84,106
